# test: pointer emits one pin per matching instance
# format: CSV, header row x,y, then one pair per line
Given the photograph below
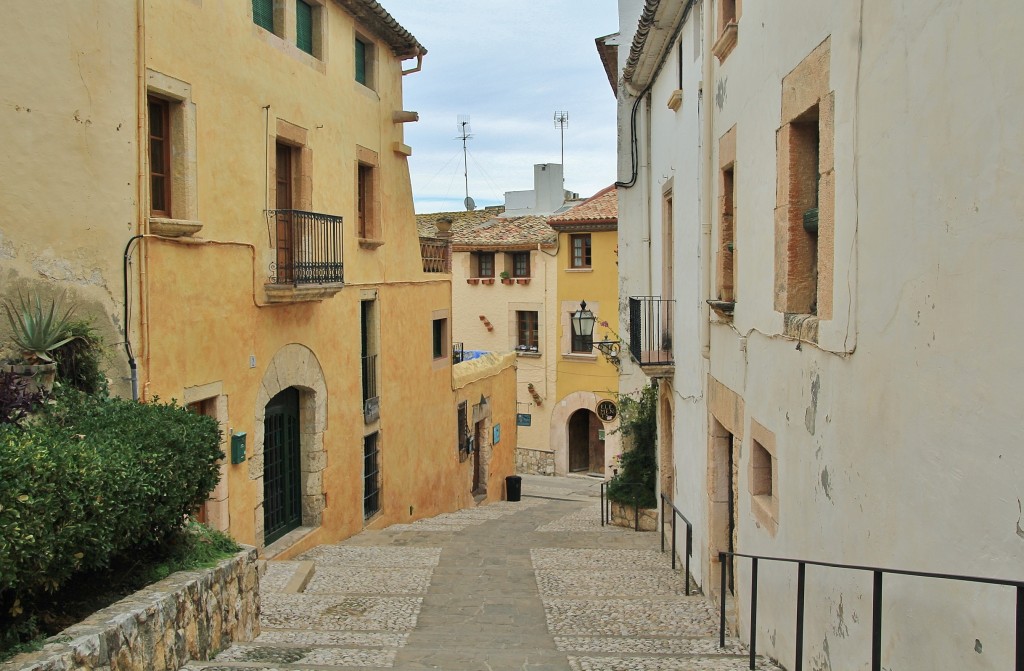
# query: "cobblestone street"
x,y
535,585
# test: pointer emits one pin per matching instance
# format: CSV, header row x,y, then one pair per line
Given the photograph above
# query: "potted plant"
x,y
505,278
487,280
36,331
522,280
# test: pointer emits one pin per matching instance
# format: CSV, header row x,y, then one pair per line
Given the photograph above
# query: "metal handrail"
x,y
876,603
689,536
309,247
606,513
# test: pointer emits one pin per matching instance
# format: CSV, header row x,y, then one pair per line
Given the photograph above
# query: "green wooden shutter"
x,y
304,26
361,62
263,14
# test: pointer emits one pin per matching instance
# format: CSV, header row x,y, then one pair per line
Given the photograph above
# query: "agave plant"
x,y
36,330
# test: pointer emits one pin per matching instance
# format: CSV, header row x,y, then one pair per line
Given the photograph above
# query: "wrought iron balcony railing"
x,y
458,352
650,330
436,254
371,399
308,248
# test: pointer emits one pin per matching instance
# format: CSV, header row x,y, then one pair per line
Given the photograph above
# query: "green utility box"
x,y
238,447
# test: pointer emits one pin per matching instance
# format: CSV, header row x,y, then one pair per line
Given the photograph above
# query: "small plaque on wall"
x,y
607,411
523,419
497,434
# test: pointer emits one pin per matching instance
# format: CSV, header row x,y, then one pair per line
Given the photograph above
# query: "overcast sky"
x,y
509,65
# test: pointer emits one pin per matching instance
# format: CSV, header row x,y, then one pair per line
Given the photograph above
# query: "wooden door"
x,y
478,441
596,444
579,441
285,235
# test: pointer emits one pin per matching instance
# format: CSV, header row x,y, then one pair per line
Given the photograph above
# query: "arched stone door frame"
x,y
560,415
294,365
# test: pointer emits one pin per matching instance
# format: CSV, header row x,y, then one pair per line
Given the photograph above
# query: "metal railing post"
x,y
721,600
674,544
661,525
753,612
801,577
1020,627
689,546
602,501
876,623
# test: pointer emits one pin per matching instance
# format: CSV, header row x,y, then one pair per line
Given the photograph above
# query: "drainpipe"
x,y
706,108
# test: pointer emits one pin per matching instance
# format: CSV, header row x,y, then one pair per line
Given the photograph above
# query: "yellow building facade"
x,y
585,417
239,215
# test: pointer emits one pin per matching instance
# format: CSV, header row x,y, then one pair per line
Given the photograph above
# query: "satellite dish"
x,y
470,204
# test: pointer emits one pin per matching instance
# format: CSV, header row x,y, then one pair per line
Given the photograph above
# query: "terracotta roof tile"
x,y
484,228
601,208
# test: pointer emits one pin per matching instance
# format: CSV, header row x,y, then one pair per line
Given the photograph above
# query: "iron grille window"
x,y
371,475
159,157
263,14
580,250
304,26
486,264
580,343
521,264
526,331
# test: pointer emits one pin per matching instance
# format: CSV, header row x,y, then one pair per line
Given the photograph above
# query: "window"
x,y
304,26
440,338
364,62
484,264
368,337
580,246
159,157
728,28
521,264
727,235
263,14
371,475
364,197
763,482
581,344
526,331
463,421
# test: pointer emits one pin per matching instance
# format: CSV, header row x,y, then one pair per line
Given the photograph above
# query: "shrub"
x,y
16,399
78,360
91,479
637,481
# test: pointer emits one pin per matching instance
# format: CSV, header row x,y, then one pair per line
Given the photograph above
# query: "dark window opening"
x,y
371,475
159,157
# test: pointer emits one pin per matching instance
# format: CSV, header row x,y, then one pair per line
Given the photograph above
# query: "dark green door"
x,y
282,499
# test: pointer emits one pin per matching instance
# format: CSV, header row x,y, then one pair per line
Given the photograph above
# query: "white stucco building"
x,y
841,182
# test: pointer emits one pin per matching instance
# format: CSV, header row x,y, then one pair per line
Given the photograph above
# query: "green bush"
x,y
91,479
79,359
636,483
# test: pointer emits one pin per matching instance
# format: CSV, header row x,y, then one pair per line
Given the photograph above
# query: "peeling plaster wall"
x,y
67,124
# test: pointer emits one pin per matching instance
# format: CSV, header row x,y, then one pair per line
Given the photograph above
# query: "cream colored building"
x,y
821,197
224,188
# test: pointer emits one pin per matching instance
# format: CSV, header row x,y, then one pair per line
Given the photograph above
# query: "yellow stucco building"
x,y
585,417
224,189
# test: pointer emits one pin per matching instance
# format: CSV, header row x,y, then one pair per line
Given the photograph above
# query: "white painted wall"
x,y
896,436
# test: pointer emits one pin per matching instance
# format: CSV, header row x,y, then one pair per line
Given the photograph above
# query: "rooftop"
x,y
601,209
374,17
481,229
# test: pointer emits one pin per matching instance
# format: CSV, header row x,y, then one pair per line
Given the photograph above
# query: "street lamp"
x,y
583,322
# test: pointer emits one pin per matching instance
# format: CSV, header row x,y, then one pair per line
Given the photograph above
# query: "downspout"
x,y
706,108
140,179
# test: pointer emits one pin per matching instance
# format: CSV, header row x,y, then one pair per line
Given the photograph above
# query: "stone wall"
x,y
534,462
189,615
624,516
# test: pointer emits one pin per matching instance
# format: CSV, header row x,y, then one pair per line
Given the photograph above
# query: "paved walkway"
x,y
537,585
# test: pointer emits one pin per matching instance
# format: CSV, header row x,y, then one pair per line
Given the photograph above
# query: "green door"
x,y
282,497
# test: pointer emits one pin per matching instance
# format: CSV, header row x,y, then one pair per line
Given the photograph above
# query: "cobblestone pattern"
x,y
340,612
189,615
600,559
624,582
359,580
667,664
361,639
276,575
686,616
307,655
584,519
647,646
459,521
534,462
375,557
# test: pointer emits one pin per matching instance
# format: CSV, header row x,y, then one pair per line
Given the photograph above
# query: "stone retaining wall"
x,y
624,516
189,615
534,462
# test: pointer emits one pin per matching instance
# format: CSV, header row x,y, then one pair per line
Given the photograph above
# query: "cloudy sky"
x,y
509,65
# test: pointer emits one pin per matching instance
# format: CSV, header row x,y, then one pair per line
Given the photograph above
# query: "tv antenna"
x,y
561,122
465,132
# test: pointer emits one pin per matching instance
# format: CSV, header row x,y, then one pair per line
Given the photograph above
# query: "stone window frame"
x,y
369,60
804,267
295,366
217,509
725,275
183,219
513,327
763,477
443,361
368,198
284,36
728,28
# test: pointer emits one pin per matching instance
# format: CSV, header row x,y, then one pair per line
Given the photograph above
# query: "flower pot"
x,y
40,376
506,280
523,280
487,280
473,280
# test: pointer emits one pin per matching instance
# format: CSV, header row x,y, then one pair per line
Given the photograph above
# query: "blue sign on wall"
x,y
497,434
523,419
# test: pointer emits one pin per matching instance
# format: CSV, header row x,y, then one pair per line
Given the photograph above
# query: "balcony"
x,y
436,254
650,334
307,262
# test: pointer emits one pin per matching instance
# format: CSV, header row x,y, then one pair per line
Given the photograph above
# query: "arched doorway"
x,y
282,470
586,447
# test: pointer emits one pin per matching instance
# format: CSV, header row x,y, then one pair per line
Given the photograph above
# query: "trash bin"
x,y
513,488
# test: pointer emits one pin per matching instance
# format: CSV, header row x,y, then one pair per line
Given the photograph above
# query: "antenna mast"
x,y
465,132
561,122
